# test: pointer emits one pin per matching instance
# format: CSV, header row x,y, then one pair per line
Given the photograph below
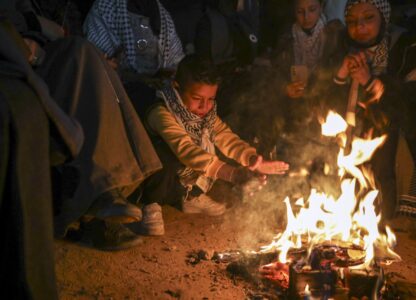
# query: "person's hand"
x,y
274,167
112,61
375,92
241,176
37,54
359,68
295,89
51,29
355,65
344,70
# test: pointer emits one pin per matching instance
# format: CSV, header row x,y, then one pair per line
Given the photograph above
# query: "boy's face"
x,y
198,97
307,13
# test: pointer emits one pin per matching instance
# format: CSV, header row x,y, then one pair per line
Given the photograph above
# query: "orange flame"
x,y
328,219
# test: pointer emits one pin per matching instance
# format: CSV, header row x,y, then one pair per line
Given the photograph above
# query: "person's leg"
x,y
164,186
117,154
161,188
26,255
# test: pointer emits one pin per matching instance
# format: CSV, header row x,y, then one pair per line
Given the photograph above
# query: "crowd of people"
x,y
101,129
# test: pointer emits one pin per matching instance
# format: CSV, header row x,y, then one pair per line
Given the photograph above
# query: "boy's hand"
x,y
268,167
240,175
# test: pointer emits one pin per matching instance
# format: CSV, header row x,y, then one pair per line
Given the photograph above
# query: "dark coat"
x,y
29,121
117,151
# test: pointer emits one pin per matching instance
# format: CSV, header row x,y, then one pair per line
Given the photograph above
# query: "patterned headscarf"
x,y
382,5
379,57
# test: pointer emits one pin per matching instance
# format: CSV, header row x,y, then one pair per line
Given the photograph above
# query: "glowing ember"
x,y
348,221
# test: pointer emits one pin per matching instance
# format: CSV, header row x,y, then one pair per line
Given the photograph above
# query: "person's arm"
x,y
191,155
98,32
162,122
231,145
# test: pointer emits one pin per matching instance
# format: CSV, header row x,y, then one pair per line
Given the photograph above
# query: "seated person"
x,y
310,44
186,132
117,154
138,35
381,60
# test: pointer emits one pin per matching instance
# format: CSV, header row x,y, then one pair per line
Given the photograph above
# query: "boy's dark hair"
x,y
193,69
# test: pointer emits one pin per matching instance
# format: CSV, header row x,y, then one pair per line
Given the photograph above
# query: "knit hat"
x,y
382,5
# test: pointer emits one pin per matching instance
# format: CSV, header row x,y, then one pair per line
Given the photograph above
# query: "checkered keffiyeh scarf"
x,y
308,48
201,131
379,57
108,26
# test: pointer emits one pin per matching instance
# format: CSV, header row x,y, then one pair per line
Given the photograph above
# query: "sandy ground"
x,y
158,268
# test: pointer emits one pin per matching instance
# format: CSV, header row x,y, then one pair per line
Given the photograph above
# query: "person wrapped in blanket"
x,y
381,57
117,154
186,132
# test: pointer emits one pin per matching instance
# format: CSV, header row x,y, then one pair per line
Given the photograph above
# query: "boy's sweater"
x,y
164,124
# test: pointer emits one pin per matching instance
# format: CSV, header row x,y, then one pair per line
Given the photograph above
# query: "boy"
x,y
186,131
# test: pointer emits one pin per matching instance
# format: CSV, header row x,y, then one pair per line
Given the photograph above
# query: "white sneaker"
x,y
152,220
202,204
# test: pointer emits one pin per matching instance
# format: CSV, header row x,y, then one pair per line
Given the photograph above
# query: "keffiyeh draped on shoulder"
x,y
308,48
108,26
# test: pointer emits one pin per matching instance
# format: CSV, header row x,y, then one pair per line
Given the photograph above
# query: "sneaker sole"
x,y
155,232
152,231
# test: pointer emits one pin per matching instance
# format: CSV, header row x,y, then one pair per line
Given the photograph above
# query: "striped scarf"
x,y
109,27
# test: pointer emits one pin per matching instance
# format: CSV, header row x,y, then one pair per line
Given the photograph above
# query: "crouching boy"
x,y
186,132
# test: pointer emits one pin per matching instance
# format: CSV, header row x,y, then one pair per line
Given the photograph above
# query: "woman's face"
x,y
199,98
363,23
307,13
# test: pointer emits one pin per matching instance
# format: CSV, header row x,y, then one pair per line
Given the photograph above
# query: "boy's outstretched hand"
x,y
273,167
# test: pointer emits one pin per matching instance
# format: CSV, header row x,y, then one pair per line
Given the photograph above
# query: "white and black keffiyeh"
x,y
380,52
108,26
308,48
201,131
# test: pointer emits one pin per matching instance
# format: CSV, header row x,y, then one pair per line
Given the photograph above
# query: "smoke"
x,y
254,106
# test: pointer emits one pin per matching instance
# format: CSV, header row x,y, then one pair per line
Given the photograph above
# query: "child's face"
x,y
307,13
199,97
363,23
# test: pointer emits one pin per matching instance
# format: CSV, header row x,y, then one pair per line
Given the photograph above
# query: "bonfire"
x,y
334,235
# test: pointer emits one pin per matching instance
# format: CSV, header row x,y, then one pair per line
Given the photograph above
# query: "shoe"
x,y
152,221
113,207
202,204
108,236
